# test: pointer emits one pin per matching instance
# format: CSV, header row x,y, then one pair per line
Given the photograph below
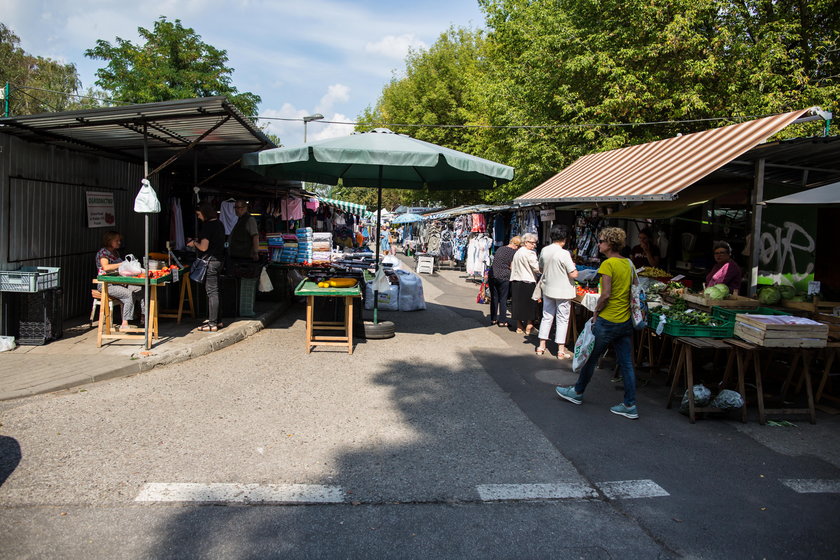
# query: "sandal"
x,y
520,331
564,355
207,327
501,324
539,351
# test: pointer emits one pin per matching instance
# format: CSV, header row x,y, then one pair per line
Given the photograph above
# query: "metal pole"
x,y
6,93
378,237
304,131
146,242
757,208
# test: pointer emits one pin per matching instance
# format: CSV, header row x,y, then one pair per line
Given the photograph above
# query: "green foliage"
x,y
38,84
559,79
172,63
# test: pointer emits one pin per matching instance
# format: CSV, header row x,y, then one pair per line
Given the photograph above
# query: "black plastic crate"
x,y
40,317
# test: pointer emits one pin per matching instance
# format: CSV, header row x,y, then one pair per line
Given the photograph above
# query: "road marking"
x,y
623,489
812,485
557,491
616,490
248,493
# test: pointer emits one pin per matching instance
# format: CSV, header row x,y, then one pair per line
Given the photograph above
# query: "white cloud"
x,y
287,123
395,46
336,93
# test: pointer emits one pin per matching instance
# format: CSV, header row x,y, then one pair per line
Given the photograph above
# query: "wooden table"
x,y
310,290
748,352
105,320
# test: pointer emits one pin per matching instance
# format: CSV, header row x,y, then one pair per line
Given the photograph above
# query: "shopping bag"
x,y
638,301
147,201
198,270
583,347
130,266
265,284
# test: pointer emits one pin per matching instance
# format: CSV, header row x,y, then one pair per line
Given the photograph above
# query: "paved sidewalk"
x,y
75,360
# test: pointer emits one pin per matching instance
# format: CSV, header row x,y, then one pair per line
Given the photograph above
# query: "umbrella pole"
x,y
378,239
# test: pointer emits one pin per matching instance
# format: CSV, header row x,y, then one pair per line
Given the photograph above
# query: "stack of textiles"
x,y
290,249
275,246
304,237
321,247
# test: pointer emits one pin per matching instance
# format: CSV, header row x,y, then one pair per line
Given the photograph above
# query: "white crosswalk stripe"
x,y
812,485
558,491
240,493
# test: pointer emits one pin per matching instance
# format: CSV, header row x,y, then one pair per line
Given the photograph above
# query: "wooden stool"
x,y
747,352
830,352
684,347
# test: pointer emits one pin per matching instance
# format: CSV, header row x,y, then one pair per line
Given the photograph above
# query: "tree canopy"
x,y
172,63
558,79
38,84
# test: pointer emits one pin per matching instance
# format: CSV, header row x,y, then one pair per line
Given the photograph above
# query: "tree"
x,y
38,84
172,63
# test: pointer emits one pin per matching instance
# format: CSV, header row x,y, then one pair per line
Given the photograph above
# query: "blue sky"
x,y
302,57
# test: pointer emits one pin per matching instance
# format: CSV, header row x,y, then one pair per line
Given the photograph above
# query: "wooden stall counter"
x,y
105,319
311,290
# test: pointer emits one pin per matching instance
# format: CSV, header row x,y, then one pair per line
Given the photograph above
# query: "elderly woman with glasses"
x,y
612,324
725,271
523,279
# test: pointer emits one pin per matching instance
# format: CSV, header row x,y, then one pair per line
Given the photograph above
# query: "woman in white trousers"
x,y
559,272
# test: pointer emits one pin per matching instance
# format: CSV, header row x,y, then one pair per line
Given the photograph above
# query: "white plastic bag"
x,y
7,343
380,281
583,347
130,266
146,201
265,284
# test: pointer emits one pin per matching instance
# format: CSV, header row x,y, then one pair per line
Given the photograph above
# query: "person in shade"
x,y
558,290
725,270
612,324
500,281
646,253
210,243
523,280
108,259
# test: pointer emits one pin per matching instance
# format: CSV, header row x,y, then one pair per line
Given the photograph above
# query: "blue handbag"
x,y
198,270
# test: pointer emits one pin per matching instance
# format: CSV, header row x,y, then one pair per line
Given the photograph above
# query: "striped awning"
x,y
351,207
656,170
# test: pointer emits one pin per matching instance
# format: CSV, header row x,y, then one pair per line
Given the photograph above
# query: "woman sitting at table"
x,y
725,270
646,253
108,260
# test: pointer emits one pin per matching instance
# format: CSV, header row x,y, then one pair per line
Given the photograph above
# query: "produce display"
x,y
165,271
338,283
718,291
679,312
653,272
583,290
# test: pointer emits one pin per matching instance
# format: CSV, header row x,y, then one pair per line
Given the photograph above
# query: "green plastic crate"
x,y
728,313
727,330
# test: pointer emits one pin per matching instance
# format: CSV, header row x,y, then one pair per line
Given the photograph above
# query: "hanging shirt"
x,y
227,215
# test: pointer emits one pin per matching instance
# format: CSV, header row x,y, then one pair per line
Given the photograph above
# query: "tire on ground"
x,y
384,329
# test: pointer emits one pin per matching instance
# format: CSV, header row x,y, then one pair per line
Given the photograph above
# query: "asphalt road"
x,y
444,442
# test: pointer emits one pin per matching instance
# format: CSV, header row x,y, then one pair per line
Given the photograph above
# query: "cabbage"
x,y
787,292
718,291
769,296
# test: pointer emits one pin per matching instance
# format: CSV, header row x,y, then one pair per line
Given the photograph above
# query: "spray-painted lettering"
x,y
780,243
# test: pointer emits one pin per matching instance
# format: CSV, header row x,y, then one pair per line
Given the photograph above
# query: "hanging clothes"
x,y
479,225
227,215
177,225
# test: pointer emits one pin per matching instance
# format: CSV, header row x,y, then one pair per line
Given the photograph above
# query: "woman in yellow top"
x,y
611,324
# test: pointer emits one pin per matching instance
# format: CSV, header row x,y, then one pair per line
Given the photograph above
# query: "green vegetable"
x,y
718,291
769,295
787,292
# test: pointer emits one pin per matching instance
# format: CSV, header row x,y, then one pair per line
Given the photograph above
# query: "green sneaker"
x,y
626,411
569,394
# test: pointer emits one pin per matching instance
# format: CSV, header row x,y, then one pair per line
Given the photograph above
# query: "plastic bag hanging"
x,y
147,201
380,281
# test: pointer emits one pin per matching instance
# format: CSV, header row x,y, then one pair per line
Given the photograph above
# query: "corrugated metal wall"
x,y
44,214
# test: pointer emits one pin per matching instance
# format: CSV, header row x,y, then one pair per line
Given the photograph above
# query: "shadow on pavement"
x,y
10,456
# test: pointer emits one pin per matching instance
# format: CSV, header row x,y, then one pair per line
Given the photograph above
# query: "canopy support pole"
x,y
378,240
146,280
757,209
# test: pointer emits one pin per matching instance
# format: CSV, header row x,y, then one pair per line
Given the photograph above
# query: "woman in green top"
x,y
612,324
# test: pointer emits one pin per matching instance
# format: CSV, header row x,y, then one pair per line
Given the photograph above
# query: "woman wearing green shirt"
x,y
612,324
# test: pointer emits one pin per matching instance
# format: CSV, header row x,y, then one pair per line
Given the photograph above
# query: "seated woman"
x,y
646,253
725,270
108,260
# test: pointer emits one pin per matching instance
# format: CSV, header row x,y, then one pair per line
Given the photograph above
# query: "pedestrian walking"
x,y
523,280
500,281
612,324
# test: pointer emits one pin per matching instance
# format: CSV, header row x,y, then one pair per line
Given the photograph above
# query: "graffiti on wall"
x,y
779,248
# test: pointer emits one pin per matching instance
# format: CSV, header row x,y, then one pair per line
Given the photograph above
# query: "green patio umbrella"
x,y
379,158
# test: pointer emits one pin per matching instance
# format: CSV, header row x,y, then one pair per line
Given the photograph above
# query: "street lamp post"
x,y
308,119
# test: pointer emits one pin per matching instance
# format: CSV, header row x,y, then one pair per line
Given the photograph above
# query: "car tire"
x,y
381,330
